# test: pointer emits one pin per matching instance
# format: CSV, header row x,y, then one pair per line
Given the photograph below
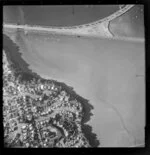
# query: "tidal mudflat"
x,y
108,73
21,70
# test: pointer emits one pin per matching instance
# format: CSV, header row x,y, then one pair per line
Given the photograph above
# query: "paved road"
x,y
95,29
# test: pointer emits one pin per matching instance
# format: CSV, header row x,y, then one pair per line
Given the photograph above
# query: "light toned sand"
x,y
102,71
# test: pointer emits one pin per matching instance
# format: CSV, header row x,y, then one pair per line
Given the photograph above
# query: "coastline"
x,y
21,66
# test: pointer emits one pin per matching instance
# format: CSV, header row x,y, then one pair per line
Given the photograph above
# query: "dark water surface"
x,y
130,24
62,15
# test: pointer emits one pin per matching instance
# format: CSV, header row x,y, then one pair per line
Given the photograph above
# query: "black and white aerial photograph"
x,y
73,76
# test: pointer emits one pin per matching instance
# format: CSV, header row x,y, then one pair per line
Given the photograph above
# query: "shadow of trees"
x,y
21,70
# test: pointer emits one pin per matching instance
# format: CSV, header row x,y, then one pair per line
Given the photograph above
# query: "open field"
x,y
110,73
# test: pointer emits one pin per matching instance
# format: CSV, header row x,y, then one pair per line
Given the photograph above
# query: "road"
x,y
95,29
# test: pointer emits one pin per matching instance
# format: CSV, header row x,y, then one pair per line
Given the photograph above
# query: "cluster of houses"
x,y
38,107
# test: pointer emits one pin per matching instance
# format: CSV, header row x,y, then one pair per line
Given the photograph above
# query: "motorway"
x,y
95,29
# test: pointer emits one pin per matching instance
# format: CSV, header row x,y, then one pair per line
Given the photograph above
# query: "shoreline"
x,y
21,66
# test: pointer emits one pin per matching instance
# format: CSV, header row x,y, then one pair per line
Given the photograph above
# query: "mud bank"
x,y
102,71
22,70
